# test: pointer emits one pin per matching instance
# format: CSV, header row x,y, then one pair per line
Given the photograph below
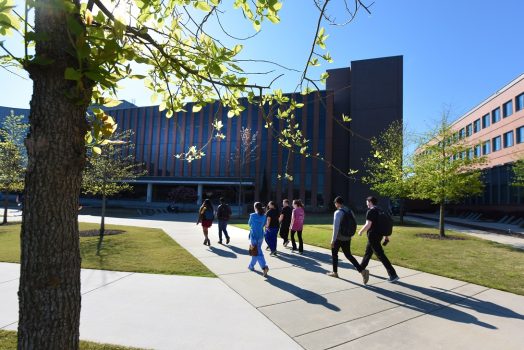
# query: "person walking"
x,y
297,224
344,227
272,227
223,216
285,221
374,239
256,223
206,216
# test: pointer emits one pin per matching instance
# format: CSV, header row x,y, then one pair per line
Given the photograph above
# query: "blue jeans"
x,y
222,225
259,257
271,238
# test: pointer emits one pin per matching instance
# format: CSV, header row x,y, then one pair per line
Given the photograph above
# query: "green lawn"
x,y
8,341
137,250
472,260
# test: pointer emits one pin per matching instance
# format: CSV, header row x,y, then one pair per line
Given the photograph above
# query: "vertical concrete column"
x,y
199,193
149,197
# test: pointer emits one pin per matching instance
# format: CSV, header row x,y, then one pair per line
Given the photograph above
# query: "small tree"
x,y
244,155
11,172
106,170
387,173
518,173
445,169
13,157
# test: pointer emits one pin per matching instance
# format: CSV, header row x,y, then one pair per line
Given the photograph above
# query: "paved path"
x,y
516,242
297,306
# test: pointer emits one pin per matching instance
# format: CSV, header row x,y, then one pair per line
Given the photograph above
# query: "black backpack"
x,y
223,212
348,224
384,224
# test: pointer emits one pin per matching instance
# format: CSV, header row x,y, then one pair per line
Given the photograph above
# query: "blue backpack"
x,y
208,214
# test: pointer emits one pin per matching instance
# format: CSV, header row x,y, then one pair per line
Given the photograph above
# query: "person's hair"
x,y
372,199
259,208
222,200
298,203
339,200
286,201
271,203
207,203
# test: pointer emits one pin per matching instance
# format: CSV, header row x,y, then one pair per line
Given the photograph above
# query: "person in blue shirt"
x,y
257,221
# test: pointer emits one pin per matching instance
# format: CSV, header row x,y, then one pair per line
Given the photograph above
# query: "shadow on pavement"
x,y
304,294
438,308
223,253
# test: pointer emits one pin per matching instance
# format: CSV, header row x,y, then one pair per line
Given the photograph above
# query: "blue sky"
x,y
456,53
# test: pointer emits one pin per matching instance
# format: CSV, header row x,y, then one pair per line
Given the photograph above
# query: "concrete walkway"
x,y
297,306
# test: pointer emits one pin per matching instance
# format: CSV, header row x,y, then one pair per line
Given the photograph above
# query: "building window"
x,y
476,126
486,148
508,139
496,143
485,121
519,102
507,109
495,115
520,134
469,130
478,149
470,153
462,133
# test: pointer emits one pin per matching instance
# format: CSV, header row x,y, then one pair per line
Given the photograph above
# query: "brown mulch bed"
x,y
94,233
436,236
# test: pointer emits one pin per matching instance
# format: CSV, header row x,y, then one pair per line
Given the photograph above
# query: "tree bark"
x,y
102,225
6,204
49,292
441,221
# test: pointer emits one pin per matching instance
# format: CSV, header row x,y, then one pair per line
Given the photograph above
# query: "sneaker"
x,y
266,269
219,242
301,253
393,279
251,268
227,240
365,276
274,253
267,248
286,243
332,274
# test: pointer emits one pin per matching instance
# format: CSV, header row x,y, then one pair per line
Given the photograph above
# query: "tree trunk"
x,y
441,221
102,225
49,292
6,204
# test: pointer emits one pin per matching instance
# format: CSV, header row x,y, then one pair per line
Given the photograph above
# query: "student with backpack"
x,y
296,226
257,221
223,215
344,228
378,225
272,227
206,216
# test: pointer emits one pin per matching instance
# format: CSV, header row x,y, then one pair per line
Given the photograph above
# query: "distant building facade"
x,y
370,92
495,129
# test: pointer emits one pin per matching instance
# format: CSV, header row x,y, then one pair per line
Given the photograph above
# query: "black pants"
x,y
284,233
374,246
346,249
300,242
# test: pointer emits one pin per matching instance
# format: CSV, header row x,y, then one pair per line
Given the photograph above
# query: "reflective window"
x,y
495,115
520,134
486,147
496,143
486,121
469,130
476,126
507,108
478,150
508,139
519,102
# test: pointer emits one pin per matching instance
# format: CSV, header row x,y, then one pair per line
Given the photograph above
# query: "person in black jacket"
x,y
374,239
223,215
285,221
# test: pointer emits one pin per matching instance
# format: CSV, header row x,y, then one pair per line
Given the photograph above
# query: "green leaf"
x,y
97,150
201,5
72,74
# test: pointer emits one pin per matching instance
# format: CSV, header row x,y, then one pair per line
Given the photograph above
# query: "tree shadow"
x,y
304,294
442,307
